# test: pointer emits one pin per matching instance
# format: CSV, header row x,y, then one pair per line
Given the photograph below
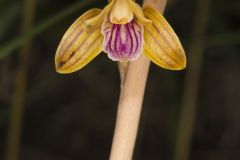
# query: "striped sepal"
x,y
79,45
162,45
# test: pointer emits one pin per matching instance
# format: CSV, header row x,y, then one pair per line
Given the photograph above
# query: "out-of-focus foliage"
x,y
70,117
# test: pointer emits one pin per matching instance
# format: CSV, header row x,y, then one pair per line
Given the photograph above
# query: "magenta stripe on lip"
x,y
123,42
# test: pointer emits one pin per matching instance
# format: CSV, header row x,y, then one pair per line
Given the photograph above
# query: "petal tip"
x,y
59,68
182,64
63,70
62,67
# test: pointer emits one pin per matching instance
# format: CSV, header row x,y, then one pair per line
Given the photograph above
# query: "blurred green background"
x,y
191,114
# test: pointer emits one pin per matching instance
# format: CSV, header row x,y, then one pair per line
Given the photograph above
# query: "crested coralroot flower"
x,y
124,31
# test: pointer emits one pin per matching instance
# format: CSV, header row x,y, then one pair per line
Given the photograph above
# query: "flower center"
x,y
123,42
121,12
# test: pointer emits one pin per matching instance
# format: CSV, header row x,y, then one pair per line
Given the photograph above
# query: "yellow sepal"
x,y
79,45
162,45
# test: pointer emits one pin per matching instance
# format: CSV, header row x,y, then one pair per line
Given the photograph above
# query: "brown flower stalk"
x,y
130,102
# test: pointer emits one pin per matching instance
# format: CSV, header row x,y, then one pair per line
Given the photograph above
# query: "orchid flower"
x,y
124,31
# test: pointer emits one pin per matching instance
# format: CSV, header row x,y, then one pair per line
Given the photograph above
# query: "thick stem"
x,y
130,102
129,110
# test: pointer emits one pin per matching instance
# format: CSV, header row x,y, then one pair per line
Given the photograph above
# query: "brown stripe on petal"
x,y
166,31
158,50
75,30
163,42
157,59
169,40
75,42
84,54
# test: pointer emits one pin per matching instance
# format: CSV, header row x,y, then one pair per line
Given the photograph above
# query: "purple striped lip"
x,y
123,42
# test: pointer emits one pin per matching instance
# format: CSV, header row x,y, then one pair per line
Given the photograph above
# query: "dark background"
x,y
70,117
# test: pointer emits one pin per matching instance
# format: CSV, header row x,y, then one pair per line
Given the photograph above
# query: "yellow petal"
x,y
79,45
162,45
